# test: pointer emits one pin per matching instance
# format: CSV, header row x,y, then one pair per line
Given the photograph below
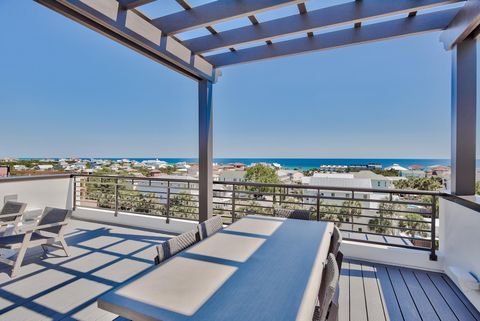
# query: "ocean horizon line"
x,y
284,162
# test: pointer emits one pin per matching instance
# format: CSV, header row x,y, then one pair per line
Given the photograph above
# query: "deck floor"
x,y
55,287
377,292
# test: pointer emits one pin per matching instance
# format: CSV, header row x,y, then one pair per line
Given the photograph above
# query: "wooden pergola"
x,y
346,24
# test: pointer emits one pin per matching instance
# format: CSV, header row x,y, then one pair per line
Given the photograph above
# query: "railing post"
x,y
233,203
318,204
351,210
168,202
274,197
74,193
433,255
116,197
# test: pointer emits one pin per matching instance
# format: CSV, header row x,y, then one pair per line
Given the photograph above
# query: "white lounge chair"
x,y
48,232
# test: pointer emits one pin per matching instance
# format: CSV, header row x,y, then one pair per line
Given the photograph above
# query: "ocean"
x,y
306,163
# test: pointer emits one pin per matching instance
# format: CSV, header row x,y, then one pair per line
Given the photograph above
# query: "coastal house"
x,y
289,176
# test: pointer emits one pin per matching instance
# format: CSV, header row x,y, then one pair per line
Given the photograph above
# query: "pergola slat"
x,y
130,28
368,33
348,13
464,23
131,4
215,12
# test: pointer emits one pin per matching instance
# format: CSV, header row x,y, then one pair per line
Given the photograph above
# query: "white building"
x,y
395,167
346,181
44,167
155,164
377,181
287,176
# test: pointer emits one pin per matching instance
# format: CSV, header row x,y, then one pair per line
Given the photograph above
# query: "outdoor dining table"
x,y
258,268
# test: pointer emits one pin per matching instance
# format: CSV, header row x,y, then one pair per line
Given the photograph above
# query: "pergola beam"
x,y
305,22
464,23
132,4
133,30
435,21
215,12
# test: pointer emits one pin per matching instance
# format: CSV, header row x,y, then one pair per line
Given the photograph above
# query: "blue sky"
x,y
67,91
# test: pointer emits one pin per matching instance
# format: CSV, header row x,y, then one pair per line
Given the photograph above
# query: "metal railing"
x,y
401,218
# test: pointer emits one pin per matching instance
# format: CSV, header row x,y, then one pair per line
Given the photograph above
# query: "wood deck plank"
x,y
468,304
435,298
457,306
405,300
422,303
357,301
390,299
372,294
344,299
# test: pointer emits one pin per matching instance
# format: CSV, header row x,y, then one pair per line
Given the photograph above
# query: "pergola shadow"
x,y
51,286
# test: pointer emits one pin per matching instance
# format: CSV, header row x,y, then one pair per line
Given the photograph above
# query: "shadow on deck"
x,y
54,287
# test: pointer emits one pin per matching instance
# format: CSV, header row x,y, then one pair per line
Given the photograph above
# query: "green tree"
x,y
414,222
384,172
331,213
383,223
432,183
350,209
183,205
260,173
252,207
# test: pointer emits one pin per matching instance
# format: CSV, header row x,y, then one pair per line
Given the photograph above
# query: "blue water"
x,y
306,163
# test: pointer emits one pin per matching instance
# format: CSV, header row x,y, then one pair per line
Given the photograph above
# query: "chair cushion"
x,y
53,215
329,285
210,227
11,207
174,245
295,214
335,241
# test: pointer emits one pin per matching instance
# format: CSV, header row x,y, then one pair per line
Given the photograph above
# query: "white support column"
x,y
464,120
205,149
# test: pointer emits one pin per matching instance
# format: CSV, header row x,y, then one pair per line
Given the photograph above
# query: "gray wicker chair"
x,y
174,245
209,227
328,289
335,241
11,214
295,214
48,232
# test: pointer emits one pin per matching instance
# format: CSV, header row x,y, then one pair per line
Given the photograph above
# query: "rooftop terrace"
x,y
51,286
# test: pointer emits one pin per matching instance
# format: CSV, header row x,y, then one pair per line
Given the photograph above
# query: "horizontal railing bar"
x,y
313,187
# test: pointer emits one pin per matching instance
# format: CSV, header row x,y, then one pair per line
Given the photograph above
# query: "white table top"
x,y
259,268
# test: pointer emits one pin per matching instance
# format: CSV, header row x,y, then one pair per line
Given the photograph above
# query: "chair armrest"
x,y
11,215
42,227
